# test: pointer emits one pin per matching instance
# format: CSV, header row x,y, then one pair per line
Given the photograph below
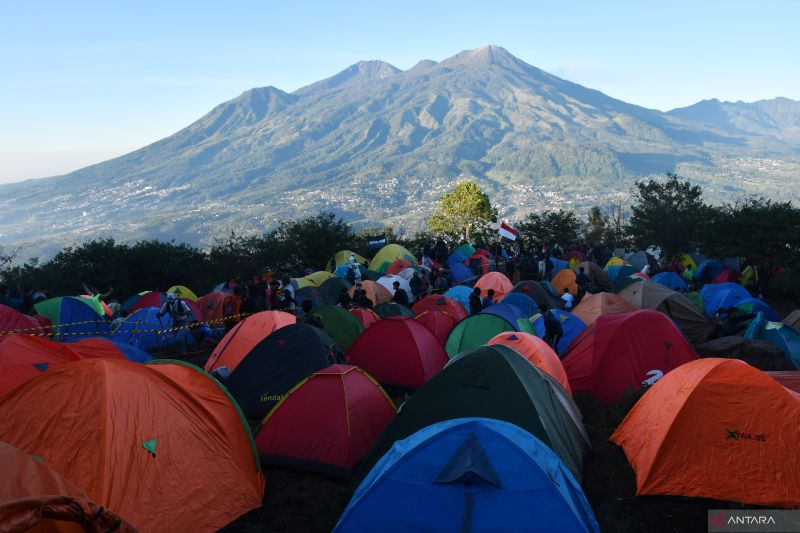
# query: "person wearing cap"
x,y
179,312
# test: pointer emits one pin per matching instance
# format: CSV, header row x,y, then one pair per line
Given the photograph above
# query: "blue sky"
x,y
86,81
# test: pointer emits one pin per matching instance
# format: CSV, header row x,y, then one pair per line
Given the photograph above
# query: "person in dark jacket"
x,y
552,327
475,303
400,294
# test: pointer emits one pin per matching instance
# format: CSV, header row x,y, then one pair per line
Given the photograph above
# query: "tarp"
x,y
716,428
621,352
326,422
478,470
398,351
493,382
168,426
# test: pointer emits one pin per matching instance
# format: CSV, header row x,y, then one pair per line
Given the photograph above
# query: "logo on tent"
x,y
735,434
150,446
655,375
41,367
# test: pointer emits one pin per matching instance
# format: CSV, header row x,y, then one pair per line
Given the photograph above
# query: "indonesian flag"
x,y
508,232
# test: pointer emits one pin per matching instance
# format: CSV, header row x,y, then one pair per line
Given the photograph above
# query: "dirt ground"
x,y
301,501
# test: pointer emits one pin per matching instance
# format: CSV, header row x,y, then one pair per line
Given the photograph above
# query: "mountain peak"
x,y
489,54
363,71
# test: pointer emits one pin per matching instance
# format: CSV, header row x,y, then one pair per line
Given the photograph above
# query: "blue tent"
x,y
777,333
460,272
546,285
73,317
617,271
571,324
460,293
707,271
722,295
469,474
457,257
558,264
131,353
757,305
145,331
511,314
523,302
671,280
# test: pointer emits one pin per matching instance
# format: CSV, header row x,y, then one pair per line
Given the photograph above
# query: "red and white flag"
x,y
508,232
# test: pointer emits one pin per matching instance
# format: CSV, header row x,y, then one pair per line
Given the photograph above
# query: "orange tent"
x,y
536,351
602,303
23,357
212,305
716,428
34,497
565,279
162,445
398,265
243,337
497,281
375,292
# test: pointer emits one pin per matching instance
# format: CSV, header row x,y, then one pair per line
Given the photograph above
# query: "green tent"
x,y
474,331
492,382
697,301
340,325
466,249
73,317
393,309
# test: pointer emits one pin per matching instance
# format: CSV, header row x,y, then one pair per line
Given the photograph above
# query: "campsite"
x,y
387,392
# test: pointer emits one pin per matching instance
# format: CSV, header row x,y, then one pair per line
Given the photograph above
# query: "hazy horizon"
x,y
93,82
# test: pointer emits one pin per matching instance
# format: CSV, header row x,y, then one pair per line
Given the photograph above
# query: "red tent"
x,y
398,266
727,276
440,323
619,352
367,317
437,302
23,357
13,320
326,422
399,351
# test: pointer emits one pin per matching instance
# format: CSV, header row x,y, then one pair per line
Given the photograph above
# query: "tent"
x,y
312,293
570,324
779,334
493,382
278,363
398,265
377,293
511,314
521,301
466,249
671,280
23,357
789,379
536,351
366,317
602,303
460,273
388,255
440,323
716,428
457,258
339,325
615,261
474,331
326,422
243,337
707,271
697,301
398,351
183,292
93,347
460,294
315,279
479,263
793,320
565,279
757,305
388,283
621,352
157,299
437,302
597,276
12,321
727,276
144,330
332,289
652,295
72,316
392,309
549,289
215,305
342,258
167,428
538,294
619,271
639,260
497,281
469,474
34,497
718,296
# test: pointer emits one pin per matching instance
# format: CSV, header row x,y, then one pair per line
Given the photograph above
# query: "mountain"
x,y
380,145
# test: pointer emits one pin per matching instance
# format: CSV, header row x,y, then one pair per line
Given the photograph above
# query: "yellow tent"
x,y
616,261
687,261
183,292
388,255
342,257
313,280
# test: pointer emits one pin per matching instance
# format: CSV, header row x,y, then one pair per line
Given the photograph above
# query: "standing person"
x,y
688,277
567,298
583,281
489,300
552,327
179,312
475,303
400,295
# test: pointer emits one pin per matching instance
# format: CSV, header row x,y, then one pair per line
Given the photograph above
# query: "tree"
x,y
668,214
462,212
562,227
312,241
598,229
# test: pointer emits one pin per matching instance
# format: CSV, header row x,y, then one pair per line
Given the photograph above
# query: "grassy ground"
x,y
300,501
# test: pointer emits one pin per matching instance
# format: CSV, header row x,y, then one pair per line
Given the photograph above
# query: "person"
x,y
40,295
179,312
582,280
92,291
307,315
489,300
286,286
475,303
400,295
364,301
688,276
249,305
567,298
344,299
552,327
442,283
